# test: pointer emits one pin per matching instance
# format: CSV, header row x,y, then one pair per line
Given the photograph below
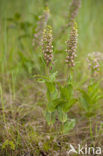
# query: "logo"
x,y
82,150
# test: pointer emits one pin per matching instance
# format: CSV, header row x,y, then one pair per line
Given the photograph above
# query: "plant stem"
x,y
91,131
2,103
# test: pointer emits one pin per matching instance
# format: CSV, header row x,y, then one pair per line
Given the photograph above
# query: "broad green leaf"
x,y
86,96
50,117
66,92
52,92
85,100
84,103
52,105
94,90
69,104
68,125
62,116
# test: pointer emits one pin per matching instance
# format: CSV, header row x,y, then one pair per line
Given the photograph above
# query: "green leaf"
x,y
8,143
52,92
69,104
68,125
52,105
50,117
50,86
66,92
67,97
70,90
70,80
41,78
12,145
53,76
84,103
94,90
53,100
62,116
85,100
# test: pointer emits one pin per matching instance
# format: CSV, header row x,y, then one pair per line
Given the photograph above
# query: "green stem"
x,y
2,103
91,131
